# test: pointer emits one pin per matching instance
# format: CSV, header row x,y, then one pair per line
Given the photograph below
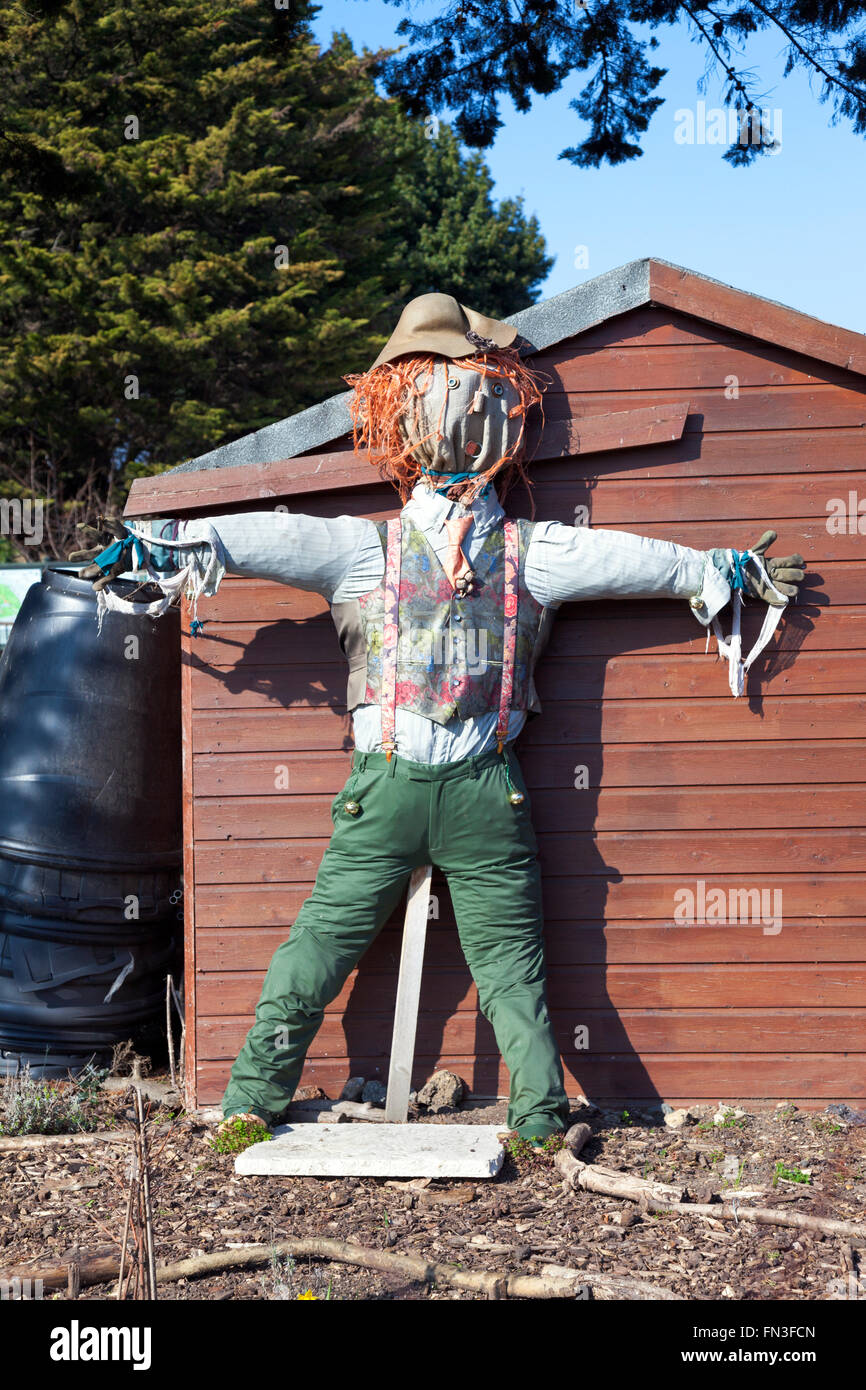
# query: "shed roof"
x,y
647,281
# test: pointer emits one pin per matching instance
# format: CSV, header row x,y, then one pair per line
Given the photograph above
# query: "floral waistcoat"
x,y
449,649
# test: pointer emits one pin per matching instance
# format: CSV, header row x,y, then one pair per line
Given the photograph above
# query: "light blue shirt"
x,y
342,559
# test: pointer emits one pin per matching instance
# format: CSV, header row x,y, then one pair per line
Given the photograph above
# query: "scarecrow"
x,y
442,614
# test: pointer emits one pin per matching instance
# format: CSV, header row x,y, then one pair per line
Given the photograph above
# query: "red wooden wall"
x,y
686,784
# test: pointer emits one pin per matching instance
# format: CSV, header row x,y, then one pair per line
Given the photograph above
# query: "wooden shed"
x,y
680,408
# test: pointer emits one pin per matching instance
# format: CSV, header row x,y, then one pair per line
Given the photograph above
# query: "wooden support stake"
x,y
168,1030
180,1013
408,994
132,1167
149,1264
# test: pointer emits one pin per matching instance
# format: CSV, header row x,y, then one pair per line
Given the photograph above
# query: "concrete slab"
x,y
378,1151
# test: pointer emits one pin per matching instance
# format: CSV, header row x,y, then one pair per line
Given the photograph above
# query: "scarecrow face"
x,y
456,423
469,408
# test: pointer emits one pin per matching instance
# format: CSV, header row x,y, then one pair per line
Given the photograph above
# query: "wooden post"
x,y
408,994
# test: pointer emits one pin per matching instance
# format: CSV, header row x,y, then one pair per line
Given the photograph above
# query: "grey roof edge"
x,y
541,325
585,306
309,429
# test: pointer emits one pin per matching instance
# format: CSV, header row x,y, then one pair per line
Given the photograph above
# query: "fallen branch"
x,y
610,1286
609,1182
565,1284
765,1216
658,1197
357,1110
576,1137
98,1269
416,1267
11,1143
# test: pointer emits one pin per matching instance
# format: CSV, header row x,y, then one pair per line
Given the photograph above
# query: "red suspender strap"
x,y
389,634
509,643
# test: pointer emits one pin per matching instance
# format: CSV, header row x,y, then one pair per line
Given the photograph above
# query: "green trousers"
x,y
458,817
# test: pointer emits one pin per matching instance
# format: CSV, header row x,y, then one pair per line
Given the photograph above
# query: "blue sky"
x,y
791,227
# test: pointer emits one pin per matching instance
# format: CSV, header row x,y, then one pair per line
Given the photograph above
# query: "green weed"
x,y
822,1126
240,1135
789,1175
527,1155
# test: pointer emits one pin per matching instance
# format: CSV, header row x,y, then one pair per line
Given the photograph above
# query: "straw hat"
x,y
437,323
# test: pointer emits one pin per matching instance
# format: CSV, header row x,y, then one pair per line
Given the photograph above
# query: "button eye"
x,y
498,389
453,383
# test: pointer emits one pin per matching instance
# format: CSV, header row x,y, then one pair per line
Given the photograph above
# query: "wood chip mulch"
x,y
56,1201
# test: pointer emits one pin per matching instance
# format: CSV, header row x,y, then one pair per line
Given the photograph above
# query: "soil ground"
x,y
54,1201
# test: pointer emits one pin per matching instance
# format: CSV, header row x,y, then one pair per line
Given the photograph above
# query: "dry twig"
x,y
563,1284
655,1196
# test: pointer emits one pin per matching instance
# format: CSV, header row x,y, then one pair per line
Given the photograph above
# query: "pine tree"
x,y
465,55
463,244
205,221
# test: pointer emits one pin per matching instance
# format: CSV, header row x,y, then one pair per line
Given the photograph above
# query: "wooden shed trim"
x,y
756,317
189,917
192,492
652,281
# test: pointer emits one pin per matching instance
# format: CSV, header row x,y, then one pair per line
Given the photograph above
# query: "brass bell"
x,y
353,807
516,798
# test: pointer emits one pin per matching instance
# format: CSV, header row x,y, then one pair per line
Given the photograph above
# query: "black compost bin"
x,y
90,824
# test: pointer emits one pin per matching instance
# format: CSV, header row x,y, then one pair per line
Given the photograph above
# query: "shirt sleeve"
x,y
309,552
568,563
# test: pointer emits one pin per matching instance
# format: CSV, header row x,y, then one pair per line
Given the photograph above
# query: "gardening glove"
x,y
120,550
110,556
786,572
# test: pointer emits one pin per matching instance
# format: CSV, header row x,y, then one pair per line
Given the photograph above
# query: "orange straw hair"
x,y
385,410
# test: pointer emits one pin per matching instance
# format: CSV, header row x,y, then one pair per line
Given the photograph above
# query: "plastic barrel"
x,y
89,732
81,897
90,826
